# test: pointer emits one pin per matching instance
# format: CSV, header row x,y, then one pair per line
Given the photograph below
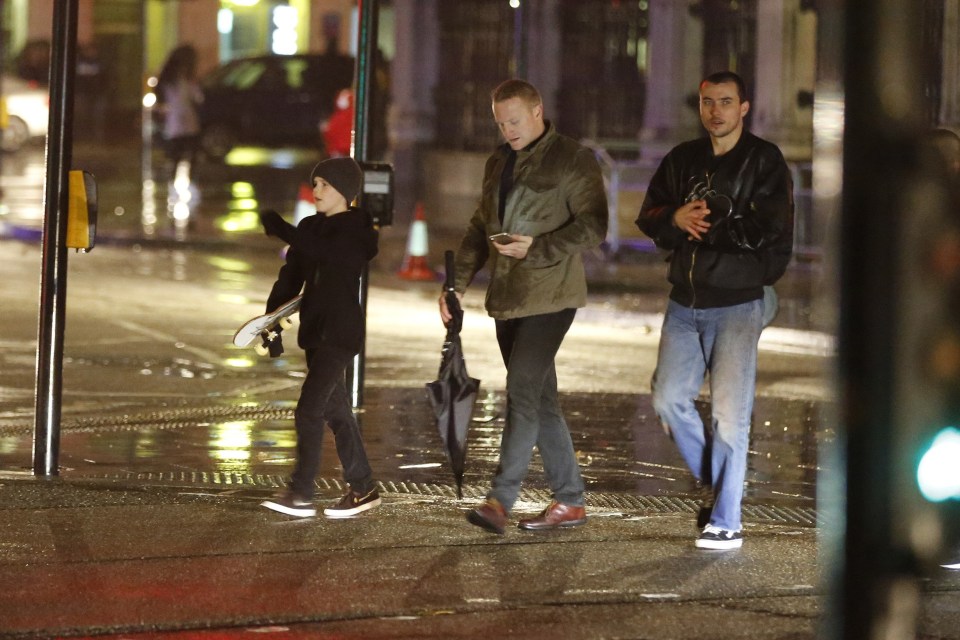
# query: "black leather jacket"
x,y
749,192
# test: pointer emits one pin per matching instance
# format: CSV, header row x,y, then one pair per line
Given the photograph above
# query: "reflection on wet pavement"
x,y
619,443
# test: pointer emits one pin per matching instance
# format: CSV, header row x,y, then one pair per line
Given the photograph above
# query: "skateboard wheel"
x,y
285,323
261,349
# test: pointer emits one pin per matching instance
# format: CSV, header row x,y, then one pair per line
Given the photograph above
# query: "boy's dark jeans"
x,y
528,346
324,398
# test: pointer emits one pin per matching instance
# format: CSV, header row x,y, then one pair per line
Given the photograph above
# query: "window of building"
x,y
600,76
476,46
603,69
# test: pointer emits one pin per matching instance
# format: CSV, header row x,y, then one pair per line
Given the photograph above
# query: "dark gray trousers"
x,y
528,346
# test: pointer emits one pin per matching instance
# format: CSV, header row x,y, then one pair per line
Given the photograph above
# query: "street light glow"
x,y
225,21
938,474
284,39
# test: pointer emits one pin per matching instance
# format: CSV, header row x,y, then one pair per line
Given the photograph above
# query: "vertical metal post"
x,y
3,62
366,59
878,591
827,190
53,277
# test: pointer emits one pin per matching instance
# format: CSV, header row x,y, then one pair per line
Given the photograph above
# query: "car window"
x,y
243,76
273,78
295,68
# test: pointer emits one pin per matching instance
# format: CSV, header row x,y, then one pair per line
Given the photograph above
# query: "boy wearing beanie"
x,y
327,254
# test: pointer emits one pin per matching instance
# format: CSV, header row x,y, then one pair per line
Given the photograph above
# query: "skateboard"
x,y
264,326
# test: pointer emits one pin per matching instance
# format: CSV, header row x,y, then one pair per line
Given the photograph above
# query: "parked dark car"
x,y
270,100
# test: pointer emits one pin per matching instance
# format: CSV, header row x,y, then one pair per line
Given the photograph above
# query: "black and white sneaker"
x,y
720,539
291,504
352,504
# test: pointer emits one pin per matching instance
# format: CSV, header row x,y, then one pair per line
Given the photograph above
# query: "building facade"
x,y
621,73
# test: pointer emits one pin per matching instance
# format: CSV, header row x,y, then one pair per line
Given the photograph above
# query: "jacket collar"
x,y
535,147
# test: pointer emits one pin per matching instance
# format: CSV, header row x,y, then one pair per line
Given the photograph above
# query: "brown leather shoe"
x,y
489,515
554,516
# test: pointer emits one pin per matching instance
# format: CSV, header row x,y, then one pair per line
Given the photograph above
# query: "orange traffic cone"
x,y
305,205
415,262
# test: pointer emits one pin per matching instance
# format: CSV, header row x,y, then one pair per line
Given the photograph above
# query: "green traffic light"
x,y
938,474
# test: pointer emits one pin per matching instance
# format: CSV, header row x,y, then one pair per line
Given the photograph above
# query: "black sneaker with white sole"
x,y
352,504
291,504
720,539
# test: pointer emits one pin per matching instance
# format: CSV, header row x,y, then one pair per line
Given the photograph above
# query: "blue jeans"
x,y
528,346
723,341
324,399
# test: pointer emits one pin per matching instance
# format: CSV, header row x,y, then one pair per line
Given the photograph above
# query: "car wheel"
x,y
217,140
15,135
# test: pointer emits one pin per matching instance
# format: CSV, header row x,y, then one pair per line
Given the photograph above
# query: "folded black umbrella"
x,y
454,392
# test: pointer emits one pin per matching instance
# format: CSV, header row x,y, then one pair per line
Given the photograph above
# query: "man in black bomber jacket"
x,y
326,257
723,206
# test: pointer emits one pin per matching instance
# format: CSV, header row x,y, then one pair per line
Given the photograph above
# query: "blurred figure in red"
x,y
337,130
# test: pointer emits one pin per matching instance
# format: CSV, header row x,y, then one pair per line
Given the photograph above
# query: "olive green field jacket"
x,y
557,197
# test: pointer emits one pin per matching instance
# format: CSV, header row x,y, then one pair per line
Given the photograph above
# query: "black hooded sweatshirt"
x,y
326,258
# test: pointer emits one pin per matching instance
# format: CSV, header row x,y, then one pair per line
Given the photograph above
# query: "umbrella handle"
x,y
448,284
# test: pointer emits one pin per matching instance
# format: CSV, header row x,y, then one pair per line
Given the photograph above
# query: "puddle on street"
x,y
620,445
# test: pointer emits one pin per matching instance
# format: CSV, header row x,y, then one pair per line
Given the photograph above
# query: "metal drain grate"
x,y
772,514
161,419
185,417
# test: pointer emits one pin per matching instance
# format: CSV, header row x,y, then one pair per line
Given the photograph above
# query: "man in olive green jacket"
x,y
543,204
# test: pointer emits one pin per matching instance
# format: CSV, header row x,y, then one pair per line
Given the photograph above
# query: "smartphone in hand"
x,y
502,238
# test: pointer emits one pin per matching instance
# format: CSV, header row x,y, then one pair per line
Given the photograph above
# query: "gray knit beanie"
x,y
343,174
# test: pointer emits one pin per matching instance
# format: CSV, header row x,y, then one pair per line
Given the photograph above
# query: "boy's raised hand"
x,y
274,225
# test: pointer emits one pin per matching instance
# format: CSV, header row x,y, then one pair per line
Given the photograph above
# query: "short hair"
x,y
720,77
515,88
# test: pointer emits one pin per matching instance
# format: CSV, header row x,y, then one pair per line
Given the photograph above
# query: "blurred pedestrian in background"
x,y
33,62
338,129
178,98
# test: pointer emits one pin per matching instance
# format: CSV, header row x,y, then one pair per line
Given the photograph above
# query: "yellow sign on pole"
x,y
82,211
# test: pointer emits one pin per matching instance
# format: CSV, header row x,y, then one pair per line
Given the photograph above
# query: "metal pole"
x,y
366,58
3,63
827,158
53,277
878,590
